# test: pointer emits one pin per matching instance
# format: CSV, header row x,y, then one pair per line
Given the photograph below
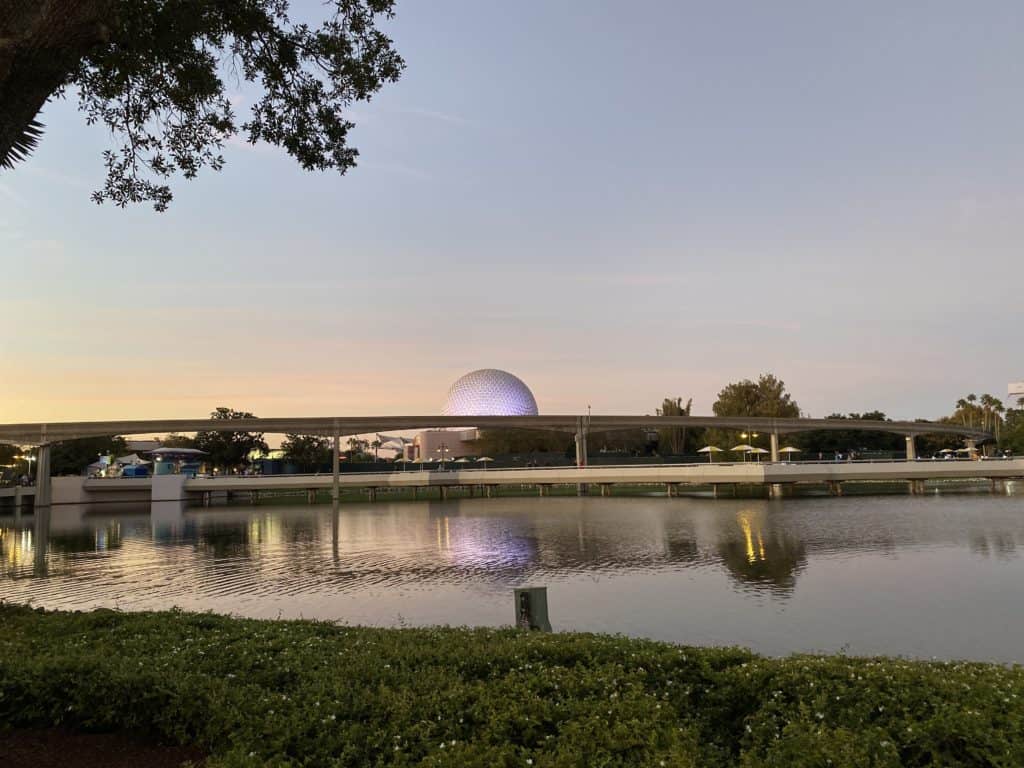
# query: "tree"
x,y
765,397
174,440
672,440
229,450
309,452
1012,437
502,442
72,457
153,72
843,441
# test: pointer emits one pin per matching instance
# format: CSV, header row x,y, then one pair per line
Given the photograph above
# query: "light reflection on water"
x,y
917,576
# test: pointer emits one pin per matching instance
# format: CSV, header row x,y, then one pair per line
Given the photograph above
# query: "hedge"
x,y
304,693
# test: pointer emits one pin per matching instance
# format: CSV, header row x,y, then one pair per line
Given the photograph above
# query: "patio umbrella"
x,y
484,459
758,451
710,449
947,450
789,450
462,460
742,448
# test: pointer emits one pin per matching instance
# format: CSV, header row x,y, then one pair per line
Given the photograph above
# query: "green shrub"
x,y
309,694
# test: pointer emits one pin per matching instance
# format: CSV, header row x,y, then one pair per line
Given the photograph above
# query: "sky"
x,y
617,202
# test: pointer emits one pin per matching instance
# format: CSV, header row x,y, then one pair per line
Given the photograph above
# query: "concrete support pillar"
x,y
775,490
207,498
373,494
544,490
606,489
581,451
998,487
18,499
336,469
311,496
488,490
44,487
444,492
714,490
911,449
254,497
835,488
775,445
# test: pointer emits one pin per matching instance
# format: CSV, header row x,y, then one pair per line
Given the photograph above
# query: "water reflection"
x,y
779,576
762,555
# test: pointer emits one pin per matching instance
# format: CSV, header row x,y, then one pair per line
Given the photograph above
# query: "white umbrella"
x,y
742,448
485,459
758,451
463,460
789,449
710,449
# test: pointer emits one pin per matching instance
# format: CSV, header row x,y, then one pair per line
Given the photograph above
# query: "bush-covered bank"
x,y
306,693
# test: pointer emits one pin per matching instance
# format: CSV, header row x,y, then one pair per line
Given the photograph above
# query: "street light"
x,y
28,459
748,436
441,449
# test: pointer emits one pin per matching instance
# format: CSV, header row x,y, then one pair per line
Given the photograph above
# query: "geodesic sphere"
x,y
489,392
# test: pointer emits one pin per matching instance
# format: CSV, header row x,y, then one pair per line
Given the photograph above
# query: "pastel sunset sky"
x,y
616,201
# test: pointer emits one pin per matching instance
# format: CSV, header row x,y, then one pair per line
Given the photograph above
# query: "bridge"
x,y
44,434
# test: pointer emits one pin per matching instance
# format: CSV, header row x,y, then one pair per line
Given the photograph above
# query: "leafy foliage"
x,y
306,693
672,440
308,452
229,450
843,441
765,397
71,457
159,76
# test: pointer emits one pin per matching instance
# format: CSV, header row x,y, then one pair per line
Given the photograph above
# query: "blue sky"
x,y
617,202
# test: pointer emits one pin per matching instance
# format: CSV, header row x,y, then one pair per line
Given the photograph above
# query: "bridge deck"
x,y
696,474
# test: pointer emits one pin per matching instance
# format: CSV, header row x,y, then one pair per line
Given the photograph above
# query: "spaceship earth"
x,y
489,392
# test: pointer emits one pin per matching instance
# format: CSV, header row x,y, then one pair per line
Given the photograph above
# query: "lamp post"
x,y
28,459
441,449
748,436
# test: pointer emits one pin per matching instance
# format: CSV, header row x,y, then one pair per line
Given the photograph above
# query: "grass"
x,y
303,693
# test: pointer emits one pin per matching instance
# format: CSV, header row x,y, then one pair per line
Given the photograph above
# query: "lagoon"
x,y
934,576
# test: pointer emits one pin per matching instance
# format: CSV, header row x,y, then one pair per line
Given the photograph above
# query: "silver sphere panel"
x,y
489,392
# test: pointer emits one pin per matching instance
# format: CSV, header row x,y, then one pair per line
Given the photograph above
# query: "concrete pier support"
x,y
311,496
606,489
18,500
372,493
775,446
671,489
775,490
917,488
581,451
714,490
544,490
835,488
207,498
444,492
998,487
336,469
911,448
44,485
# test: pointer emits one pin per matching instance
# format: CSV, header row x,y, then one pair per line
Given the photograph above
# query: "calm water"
x,y
919,576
